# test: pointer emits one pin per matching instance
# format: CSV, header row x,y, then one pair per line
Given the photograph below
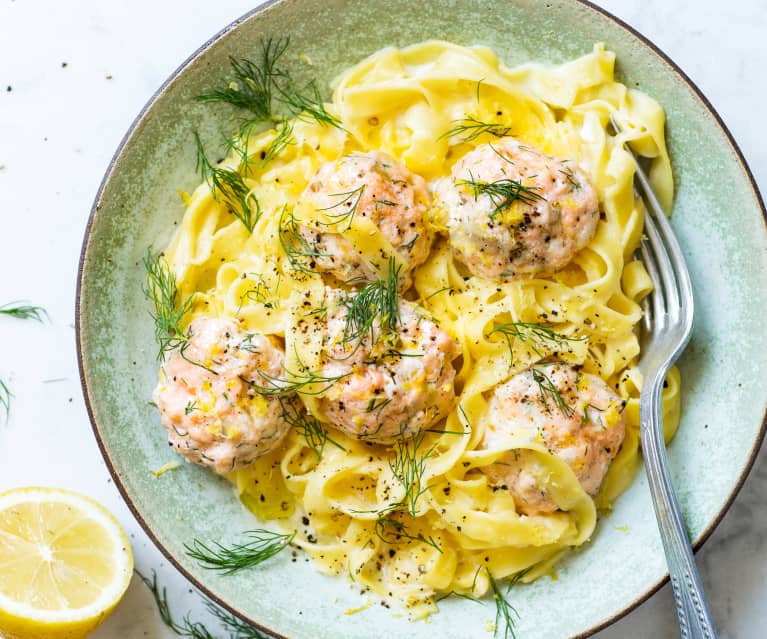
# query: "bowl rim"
x,y
619,614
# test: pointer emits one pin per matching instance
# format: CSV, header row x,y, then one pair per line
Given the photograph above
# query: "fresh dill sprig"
x,y
307,103
295,382
253,84
535,334
262,545
24,311
469,128
392,531
502,193
229,186
169,309
504,611
408,467
350,200
300,252
549,392
312,430
5,398
234,627
282,140
375,303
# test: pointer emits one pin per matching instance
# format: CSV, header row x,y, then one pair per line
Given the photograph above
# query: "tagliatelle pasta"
x,y
457,531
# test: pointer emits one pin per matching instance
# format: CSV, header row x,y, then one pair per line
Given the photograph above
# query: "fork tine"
x,y
654,304
671,244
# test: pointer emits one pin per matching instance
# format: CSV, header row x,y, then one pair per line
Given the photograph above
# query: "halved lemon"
x,y
65,563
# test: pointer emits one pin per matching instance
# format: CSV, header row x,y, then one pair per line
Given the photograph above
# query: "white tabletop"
x,y
73,75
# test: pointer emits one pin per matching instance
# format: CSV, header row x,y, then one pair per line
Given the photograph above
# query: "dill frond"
x,y
299,251
308,103
536,334
549,392
24,311
392,531
253,84
375,303
469,129
229,187
169,310
281,141
504,611
502,193
312,430
408,467
350,200
262,545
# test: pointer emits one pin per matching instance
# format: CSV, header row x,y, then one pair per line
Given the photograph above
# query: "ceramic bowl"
x,y
720,225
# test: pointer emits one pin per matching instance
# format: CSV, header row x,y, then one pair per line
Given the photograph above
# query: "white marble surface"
x,y
73,75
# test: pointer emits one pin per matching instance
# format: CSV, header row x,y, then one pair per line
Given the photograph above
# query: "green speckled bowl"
x,y
721,228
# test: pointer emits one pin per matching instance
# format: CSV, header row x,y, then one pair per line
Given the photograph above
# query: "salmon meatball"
x,y
394,381
512,211
575,415
212,417
379,188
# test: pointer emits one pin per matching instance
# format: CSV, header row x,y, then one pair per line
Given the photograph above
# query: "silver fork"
x,y
667,326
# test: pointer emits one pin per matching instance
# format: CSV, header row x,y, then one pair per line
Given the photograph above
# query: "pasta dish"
x,y
404,323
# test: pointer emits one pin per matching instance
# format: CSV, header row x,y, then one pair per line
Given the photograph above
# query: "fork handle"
x,y
695,621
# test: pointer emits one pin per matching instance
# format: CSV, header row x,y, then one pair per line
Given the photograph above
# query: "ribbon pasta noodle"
x,y
456,529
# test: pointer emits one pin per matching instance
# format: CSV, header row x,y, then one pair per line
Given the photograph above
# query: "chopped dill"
x,y
469,129
24,311
262,545
300,252
502,193
376,302
253,84
229,187
234,627
307,104
408,246
536,334
549,392
169,310
350,200
312,430
190,407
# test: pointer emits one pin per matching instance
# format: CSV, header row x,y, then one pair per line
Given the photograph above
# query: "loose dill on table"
x,y
535,334
262,545
504,611
502,193
350,200
253,85
300,252
549,392
313,431
229,187
234,627
24,311
469,129
376,303
5,398
169,309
